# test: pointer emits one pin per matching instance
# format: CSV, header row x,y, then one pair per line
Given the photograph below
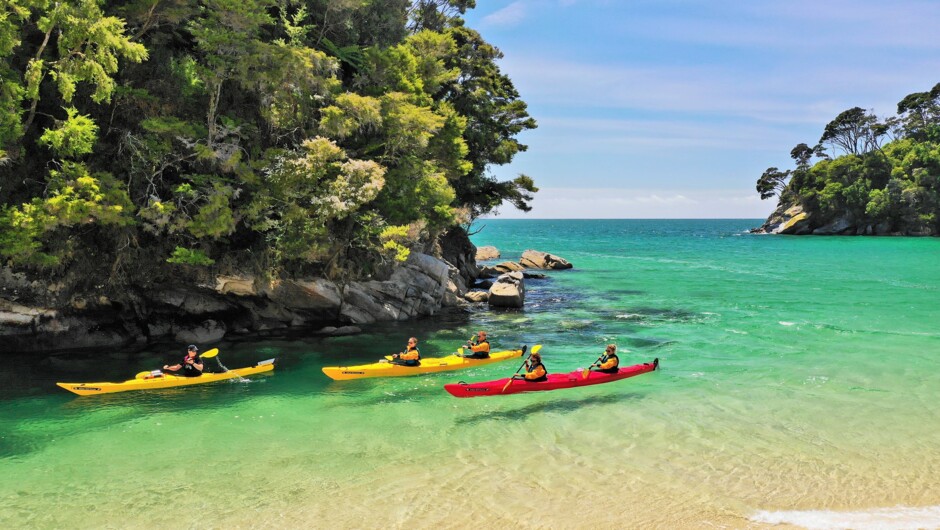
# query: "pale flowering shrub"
x,y
305,193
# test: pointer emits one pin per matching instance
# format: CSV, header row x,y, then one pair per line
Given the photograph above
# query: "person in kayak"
x,y
192,365
410,357
479,348
609,363
534,369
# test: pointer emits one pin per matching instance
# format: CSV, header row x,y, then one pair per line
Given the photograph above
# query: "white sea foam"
x,y
630,316
783,323
897,518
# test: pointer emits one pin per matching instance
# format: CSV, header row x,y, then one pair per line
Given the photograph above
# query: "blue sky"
x,y
674,108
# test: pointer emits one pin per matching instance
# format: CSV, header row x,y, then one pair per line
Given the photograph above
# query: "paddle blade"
x,y
388,357
460,352
536,348
585,373
507,385
210,353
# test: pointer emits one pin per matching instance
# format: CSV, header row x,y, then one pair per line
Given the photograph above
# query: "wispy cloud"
x,y
604,135
624,203
690,94
813,95
510,15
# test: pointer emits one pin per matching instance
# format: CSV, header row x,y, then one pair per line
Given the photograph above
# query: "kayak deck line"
x,y
164,381
428,365
574,379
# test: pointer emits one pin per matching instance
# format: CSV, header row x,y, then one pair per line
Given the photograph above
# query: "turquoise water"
x,y
798,384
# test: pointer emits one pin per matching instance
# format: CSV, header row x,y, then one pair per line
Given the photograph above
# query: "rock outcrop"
x,y
508,291
230,305
477,296
535,259
487,253
791,219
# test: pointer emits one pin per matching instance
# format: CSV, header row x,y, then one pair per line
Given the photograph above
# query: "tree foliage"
x,y
895,185
294,135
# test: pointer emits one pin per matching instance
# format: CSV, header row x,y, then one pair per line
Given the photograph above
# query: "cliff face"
x,y
35,317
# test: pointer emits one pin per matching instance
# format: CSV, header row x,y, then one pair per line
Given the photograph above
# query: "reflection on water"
x,y
559,405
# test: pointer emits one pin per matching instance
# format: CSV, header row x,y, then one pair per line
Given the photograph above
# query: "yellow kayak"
x,y
427,366
164,381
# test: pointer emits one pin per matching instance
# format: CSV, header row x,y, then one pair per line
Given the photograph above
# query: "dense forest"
x,y
142,139
884,179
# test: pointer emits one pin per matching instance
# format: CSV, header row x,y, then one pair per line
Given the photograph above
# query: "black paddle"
x,y
535,349
587,371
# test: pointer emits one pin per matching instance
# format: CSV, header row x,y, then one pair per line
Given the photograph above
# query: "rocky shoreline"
x,y
241,305
791,219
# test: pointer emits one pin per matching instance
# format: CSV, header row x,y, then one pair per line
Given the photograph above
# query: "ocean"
x,y
798,387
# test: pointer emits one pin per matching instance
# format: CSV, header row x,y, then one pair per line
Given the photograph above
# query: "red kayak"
x,y
554,382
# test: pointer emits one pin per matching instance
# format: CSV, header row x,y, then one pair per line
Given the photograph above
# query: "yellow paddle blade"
x,y
210,353
536,348
585,373
460,351
388,357
507,384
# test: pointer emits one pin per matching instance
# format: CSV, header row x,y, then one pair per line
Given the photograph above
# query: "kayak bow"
x,y
554,382
427,366
164,381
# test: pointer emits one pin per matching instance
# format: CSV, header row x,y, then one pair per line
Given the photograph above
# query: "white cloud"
x,y
626,203
586,135
507,16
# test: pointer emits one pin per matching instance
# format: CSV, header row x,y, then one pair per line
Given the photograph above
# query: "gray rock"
x,y
508,291
237,285
477,296
836,227
487,253
319,294
508,266
232,304
207,332
535,259
489,272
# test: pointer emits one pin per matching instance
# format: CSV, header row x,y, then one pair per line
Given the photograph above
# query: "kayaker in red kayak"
x,y
534,369
608,363
480,347
410,357
192,365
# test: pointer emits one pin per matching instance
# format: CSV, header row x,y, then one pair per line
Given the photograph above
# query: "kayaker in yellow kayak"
x,y
534,369
479,347
608,363
192,365
410,357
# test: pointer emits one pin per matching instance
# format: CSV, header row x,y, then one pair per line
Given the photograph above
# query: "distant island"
x,y
884,181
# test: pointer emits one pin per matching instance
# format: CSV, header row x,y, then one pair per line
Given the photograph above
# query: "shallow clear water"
x,y
798,384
